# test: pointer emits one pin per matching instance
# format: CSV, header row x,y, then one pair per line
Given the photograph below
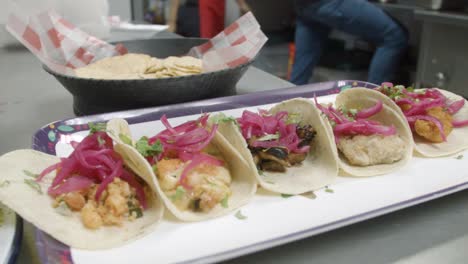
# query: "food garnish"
x,y
97,127
33,185
224,202
125,139
328,190
4,183
221,117
310,195
459,157
353,122
148,150
180,191
286,195
240,216
30,174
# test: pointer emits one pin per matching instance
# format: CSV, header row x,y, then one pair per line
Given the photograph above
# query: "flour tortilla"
x,y
37,208
318,170
364,98
456,140
116,127
243,185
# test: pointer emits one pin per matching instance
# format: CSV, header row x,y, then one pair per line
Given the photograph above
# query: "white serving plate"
x,y
273,220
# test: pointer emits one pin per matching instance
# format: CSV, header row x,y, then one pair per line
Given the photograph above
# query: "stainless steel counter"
x,y
434,232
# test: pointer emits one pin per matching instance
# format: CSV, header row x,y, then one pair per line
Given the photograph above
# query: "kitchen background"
x,y
438,33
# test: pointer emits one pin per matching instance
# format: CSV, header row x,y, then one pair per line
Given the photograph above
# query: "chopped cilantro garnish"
x,y
30,174
155,167
180,192
132,208
353,111
224,202
310,195
4,183
146,149
96,127
63,209
240,216
286,195
328,190
348,113
260,172
293,118
459,157
33,184
101,141
125,139
216,119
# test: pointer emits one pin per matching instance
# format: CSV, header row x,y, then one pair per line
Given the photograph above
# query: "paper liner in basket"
x,y
57,43
63,47
237,44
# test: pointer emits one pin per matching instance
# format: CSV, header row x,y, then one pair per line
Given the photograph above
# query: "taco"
x,y
371,137
198,174
89,200
287,147
438,118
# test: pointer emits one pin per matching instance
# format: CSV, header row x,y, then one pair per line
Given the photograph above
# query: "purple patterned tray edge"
x,y
45,139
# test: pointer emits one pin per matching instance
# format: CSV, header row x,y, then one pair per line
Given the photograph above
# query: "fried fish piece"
x,y
429,130
370,150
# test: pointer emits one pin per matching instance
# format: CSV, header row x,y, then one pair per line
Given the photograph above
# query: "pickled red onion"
x,y
422,106
460,123
368,112
361,126
93,161
264,123
73,184
454,107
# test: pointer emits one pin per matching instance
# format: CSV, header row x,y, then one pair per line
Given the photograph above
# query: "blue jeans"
x,y
357,17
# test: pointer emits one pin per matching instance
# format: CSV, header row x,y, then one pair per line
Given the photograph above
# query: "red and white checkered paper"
x,y
237,44
63,47
57,43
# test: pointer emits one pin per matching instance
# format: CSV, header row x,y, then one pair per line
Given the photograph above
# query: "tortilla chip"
x,y
117,67
154,65
140,66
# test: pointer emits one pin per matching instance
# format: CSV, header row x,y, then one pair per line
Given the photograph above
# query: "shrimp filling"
x,y
209,184
116,204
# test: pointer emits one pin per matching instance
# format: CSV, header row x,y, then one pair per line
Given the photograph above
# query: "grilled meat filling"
x,y
277,159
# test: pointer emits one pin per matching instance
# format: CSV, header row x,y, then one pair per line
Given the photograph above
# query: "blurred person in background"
x,y
212,13
315,20
200,18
